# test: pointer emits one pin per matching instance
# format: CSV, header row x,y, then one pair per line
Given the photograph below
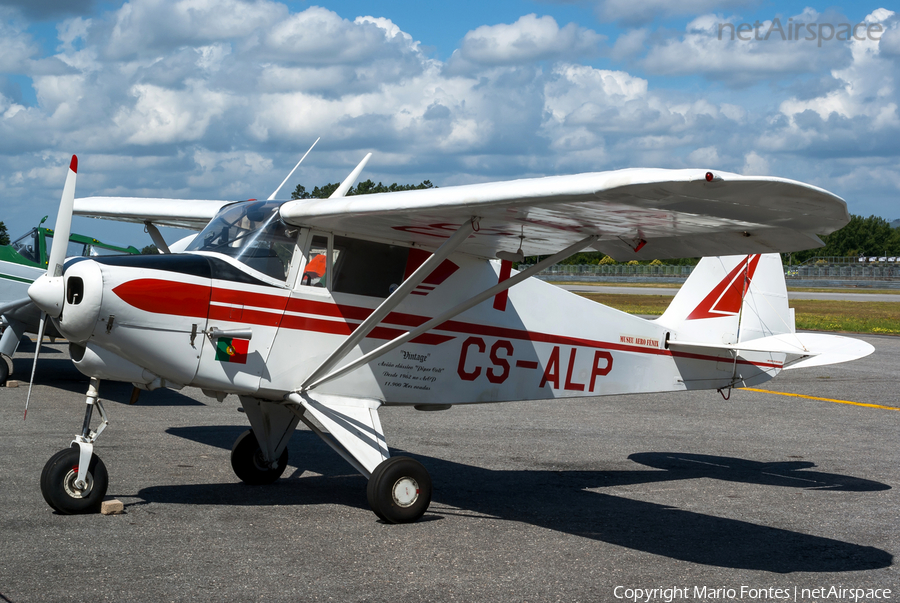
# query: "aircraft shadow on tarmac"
x,y
562,501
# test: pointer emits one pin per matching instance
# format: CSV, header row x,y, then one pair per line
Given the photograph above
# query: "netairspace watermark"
x,y
797,30
748,593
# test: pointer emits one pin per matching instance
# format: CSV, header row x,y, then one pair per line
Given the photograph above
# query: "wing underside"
x,y
177,213
638,214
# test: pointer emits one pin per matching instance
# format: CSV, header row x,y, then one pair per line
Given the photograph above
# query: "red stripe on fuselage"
x,y
166,297
249,298
254,317
186,299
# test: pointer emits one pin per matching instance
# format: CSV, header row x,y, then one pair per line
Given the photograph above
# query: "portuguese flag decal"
x,y
232,350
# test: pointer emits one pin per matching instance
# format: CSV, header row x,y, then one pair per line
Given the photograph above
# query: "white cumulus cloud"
x,y
529,39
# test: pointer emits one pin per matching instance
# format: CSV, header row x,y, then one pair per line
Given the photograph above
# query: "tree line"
x,y
366,187
872,236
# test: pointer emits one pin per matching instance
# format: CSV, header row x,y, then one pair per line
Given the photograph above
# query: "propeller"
x,y
48,292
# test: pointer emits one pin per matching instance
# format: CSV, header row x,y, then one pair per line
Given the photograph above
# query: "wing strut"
x,y
393,300
272,196
157,237
458,309
348,181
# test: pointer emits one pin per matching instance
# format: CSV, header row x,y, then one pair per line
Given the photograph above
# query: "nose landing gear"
x,y
74,480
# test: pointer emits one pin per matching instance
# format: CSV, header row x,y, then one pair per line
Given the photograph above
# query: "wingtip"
x,y
73,165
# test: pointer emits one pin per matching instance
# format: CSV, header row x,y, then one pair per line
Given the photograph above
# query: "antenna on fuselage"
x,y
272,196
341,191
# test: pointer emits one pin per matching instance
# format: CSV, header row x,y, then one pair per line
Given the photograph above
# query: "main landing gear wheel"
x,y
58,483
248,462
399,490
4,369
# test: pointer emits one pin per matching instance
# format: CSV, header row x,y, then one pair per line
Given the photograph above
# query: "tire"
x,y
58,483
399,490
248,462
4,370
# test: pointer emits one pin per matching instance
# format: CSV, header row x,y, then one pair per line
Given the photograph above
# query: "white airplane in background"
x,y
322,311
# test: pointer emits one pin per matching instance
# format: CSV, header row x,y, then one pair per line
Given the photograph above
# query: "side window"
x,y
367,268
315,274
76,249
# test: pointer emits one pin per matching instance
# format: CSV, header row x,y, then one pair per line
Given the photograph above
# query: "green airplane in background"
x,y
20,264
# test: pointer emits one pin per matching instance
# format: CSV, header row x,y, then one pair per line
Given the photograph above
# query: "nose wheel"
x,y
65,492
399,490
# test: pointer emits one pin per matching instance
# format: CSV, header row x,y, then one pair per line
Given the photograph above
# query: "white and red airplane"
x,y
322,311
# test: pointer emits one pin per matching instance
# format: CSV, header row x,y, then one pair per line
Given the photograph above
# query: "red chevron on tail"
x,y
725,299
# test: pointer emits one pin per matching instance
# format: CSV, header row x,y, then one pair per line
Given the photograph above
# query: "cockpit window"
x,y
28,246
252,233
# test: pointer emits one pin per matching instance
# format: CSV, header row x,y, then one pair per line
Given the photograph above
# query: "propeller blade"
x,y
49,288
63,223
48,292
37,351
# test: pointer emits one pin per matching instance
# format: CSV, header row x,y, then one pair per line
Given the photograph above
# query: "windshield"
x,y
252,233
28,246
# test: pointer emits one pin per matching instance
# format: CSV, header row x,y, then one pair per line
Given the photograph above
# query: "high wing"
x,y
639,214
178,213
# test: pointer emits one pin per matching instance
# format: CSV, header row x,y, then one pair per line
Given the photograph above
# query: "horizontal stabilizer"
x,y
830,349
800,349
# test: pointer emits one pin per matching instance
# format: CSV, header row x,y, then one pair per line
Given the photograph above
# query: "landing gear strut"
x,y
75,480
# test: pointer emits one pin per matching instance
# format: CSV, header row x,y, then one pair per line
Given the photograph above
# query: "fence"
x,y
847,268
850,260
613,270
846,272
836,268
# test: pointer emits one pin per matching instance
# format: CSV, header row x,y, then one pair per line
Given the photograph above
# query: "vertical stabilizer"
x,y
729,299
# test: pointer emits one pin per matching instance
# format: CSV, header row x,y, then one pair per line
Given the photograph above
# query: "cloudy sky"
x,y
218,99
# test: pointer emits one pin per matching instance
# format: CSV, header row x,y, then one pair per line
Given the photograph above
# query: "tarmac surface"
x,y
582,500
671,291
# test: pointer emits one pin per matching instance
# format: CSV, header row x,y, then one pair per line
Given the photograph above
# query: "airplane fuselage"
x,y
164,313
